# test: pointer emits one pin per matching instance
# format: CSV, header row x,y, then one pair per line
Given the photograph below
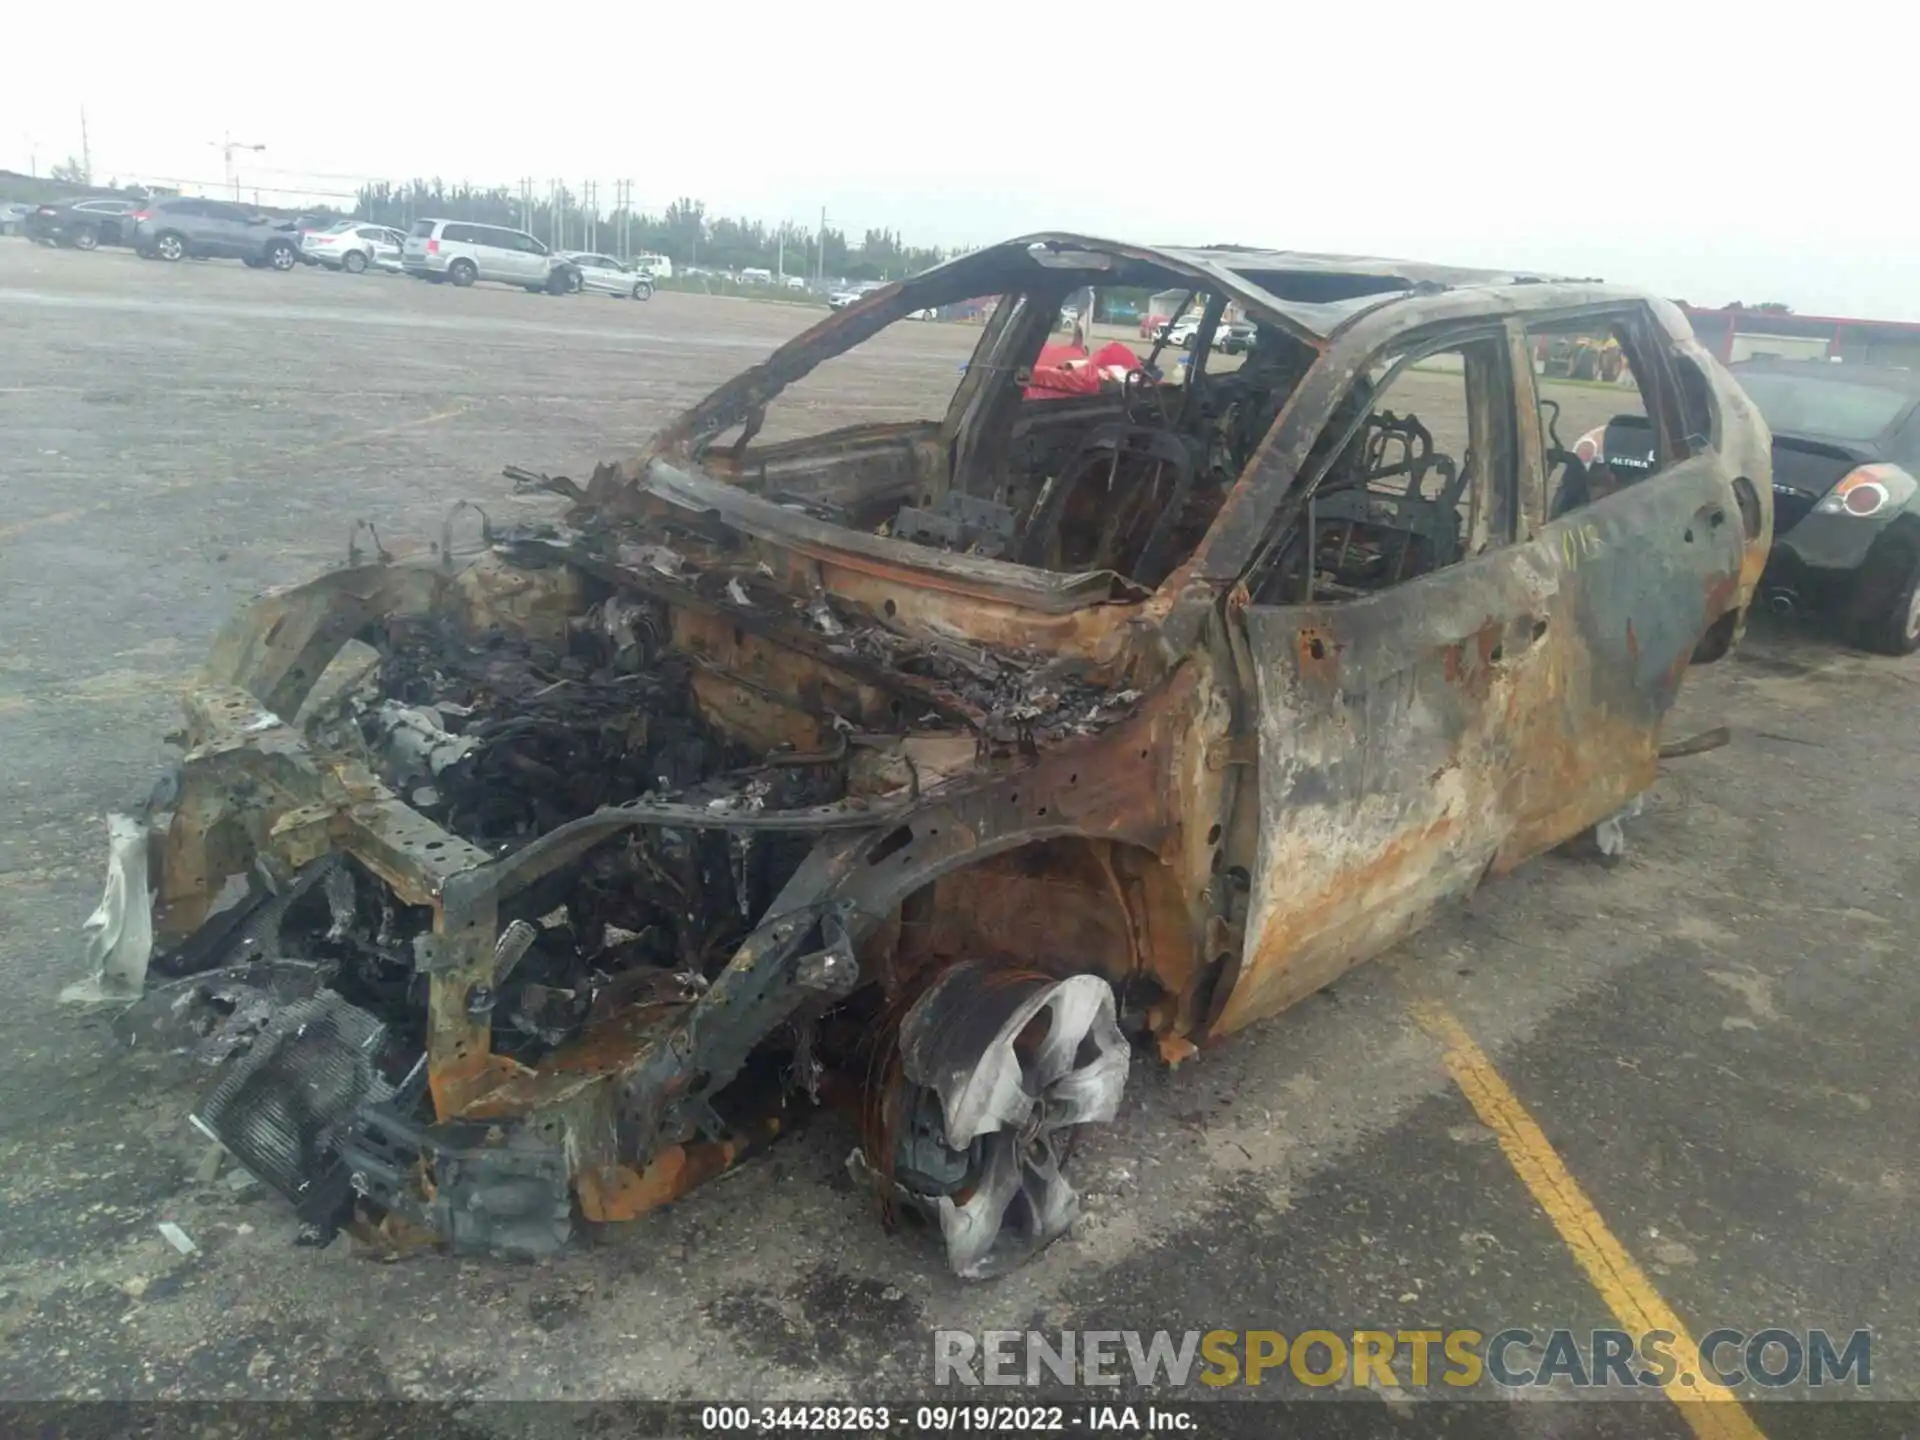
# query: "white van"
x,y
463,252
658,266
752,275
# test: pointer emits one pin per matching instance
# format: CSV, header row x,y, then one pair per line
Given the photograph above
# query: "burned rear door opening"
x,y
937,769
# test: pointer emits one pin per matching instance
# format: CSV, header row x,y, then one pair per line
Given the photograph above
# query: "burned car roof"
x,y
1315,292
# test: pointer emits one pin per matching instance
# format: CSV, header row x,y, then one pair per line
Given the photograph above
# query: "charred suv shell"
x,y
920,766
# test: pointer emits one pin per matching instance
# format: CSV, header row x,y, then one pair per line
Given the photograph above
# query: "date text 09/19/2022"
x,y
943,1419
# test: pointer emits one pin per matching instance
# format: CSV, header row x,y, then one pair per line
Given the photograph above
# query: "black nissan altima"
x,y
1846,517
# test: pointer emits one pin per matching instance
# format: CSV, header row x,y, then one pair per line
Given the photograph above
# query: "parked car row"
x,y
456,252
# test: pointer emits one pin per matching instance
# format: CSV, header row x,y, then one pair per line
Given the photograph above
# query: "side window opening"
x,y
1415,471
1062,438
1699,415
1601,433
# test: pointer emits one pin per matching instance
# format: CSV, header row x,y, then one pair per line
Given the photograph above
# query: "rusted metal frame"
x,y
1493,442
497,879
278,647
966,574
760,623
1236,756
1530,432
308,807
414,855
856,881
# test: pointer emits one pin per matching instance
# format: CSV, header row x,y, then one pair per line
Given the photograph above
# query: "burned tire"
x,y
170,245
354,263
462,273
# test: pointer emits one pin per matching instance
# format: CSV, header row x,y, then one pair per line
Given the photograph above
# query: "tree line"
x,y
685,233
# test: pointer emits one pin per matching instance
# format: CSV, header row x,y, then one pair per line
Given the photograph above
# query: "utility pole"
x,y
590,214
86,154
821,278
230,147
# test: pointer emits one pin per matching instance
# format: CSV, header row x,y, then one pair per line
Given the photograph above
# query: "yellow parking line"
x,y
1712,1411
61,517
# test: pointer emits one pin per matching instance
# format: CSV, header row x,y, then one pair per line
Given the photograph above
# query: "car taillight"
x,y
433,247
1866,490
141,215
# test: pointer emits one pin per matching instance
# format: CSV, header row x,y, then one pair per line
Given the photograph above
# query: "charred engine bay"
x,y
499,736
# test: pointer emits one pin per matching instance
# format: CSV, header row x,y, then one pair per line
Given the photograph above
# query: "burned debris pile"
x,y
500,739
582,762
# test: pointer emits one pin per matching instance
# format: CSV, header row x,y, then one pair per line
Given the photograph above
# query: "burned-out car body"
x,y
929,763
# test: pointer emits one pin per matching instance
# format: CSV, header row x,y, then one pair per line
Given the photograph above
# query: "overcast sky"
x,y
1711,154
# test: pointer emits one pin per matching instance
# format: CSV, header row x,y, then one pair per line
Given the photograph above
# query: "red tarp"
x,y
1063,370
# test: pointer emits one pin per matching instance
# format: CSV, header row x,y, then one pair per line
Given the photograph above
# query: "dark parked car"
x,y
174,229
82,224
1846,530
1846,521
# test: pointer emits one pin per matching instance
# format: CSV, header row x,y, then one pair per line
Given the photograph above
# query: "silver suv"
x,y
463,252
177,227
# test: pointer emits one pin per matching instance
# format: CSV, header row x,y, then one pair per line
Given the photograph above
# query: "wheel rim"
x,y
356,262
1913,613
85,240
282,258
996,1111
170,248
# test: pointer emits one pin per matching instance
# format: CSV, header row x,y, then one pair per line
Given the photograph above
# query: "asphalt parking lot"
x,y
1711,1036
